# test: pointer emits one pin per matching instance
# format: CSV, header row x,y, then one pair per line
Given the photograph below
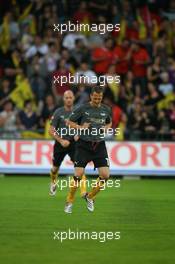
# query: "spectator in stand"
x,y
14,65
134,121
154,96
14,30
142,53
99,7
119,118
59,88
148,125
154,70
37,47
86,72
5,90
38,86
27,118
122,56
70,62
70,38
163,125
102,57
116,14
50,37
127,11
26,39
132,32
46,15
113,82
82,15
116,112
165,87
81,95
171,10
8,121
80,52
52,58
140,60
160,48
96,39
73,6
127,92
38,65
48,109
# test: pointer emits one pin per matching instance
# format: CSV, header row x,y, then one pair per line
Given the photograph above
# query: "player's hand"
x,y
66,122
76,137
85,125
65,143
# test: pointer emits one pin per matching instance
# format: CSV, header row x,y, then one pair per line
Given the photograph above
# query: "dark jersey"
x,y
98,117
58,122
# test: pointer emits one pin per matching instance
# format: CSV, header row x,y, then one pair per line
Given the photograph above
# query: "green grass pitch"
x,y
142,210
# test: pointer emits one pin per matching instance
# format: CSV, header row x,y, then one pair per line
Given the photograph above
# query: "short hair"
x,y
8,101
97,89
28,101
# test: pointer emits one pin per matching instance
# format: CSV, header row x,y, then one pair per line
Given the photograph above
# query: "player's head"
x,y
68,98
96,95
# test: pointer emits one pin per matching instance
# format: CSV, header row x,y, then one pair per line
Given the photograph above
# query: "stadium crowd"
x,y
32,53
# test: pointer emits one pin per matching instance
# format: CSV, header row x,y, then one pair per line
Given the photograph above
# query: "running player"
x,y
64,144
92,119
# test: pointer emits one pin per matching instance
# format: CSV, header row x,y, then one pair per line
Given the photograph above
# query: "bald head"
x,y
68,98
68,93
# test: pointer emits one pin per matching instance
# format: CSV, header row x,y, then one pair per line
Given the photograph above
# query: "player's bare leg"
x,y
103,177
53,184
73,188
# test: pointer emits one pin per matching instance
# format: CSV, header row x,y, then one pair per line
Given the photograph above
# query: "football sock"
x,y
53,176
74,184
99,184
83,185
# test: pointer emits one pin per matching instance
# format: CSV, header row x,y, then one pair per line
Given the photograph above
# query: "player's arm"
x,y
55,119
54,134
74,125
108,120
74,118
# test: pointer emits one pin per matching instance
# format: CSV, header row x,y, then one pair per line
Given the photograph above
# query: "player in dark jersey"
x,y
91,120
64,142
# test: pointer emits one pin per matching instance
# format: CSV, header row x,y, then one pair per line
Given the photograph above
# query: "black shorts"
x,y
87,151
59,153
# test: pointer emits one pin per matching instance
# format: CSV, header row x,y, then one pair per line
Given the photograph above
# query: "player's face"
x,y
96,98
68,99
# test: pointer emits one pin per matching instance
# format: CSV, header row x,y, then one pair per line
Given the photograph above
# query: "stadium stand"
x,y
142,53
